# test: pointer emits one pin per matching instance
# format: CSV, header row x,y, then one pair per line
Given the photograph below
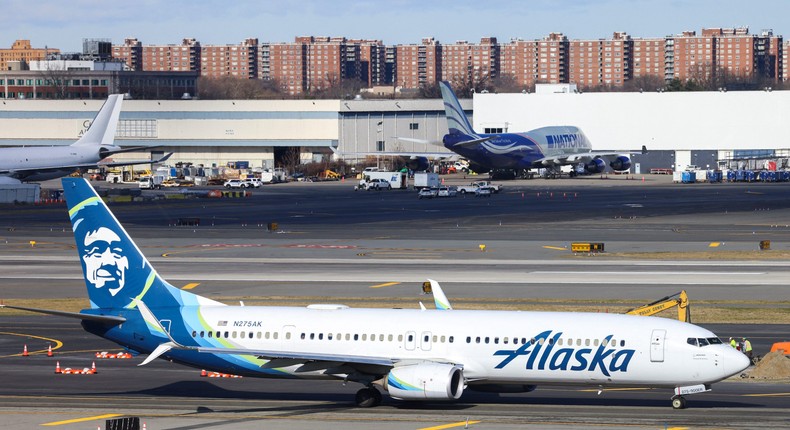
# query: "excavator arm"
x,y
681,300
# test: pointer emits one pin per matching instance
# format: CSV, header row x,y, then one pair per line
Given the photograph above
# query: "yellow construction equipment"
x,y
681,300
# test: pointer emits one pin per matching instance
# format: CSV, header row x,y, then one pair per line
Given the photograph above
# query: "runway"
x,y
378,248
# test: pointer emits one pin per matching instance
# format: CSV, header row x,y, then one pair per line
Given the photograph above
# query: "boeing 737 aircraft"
x,y
37,163
416,355
545,147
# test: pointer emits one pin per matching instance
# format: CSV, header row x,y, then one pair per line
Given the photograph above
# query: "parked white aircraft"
x,y
419,354
41,163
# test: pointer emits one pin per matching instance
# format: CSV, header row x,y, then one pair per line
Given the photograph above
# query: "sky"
x,y
63,24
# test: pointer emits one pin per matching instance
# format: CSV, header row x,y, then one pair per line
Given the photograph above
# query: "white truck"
x,y
471,188
151,182
426,180
396,180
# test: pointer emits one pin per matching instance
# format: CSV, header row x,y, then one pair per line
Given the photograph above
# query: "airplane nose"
x,y
734,362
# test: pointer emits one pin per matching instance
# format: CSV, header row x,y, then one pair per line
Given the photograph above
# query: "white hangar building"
x,y
678,128
215,132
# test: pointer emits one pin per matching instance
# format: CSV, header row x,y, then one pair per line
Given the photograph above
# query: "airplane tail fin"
x,y
102,129
457,121
116,272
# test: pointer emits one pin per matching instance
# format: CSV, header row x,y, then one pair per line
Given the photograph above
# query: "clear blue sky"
x,y
64,23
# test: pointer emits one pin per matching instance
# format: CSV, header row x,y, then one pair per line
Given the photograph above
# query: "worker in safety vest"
x,y
747,347
733,343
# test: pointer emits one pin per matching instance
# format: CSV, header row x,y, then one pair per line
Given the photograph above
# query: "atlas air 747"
x,y
411,354
41,163
546,148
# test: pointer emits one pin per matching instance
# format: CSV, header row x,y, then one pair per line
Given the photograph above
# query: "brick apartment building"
x,y
22,51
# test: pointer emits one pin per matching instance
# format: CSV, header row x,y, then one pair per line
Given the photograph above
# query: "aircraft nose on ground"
x,y
734,362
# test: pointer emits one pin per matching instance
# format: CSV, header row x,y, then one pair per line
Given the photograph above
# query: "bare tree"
x,y
237,88
57,77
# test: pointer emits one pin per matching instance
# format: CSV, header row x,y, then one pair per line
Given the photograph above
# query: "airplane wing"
x,y
575,158
23,173
106,319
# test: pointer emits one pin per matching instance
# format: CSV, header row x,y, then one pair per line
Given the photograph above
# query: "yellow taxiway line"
x,y
386,284
451,425
190,286
556,248
81,420
57,344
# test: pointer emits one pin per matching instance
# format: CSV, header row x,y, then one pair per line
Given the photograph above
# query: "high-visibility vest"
x,y
733,343
748,346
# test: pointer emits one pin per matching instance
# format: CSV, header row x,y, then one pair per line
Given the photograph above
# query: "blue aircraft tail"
x,y
457,121
116,272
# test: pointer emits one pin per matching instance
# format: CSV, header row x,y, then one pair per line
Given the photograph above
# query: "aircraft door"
x,y
425,341
410,341
286,335
657,346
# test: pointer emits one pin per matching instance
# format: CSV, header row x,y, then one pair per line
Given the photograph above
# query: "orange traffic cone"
x,y
93,368
24,351
203,373
57,367
49,351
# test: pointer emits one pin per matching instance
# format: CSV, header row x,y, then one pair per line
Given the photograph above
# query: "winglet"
x,y
439,299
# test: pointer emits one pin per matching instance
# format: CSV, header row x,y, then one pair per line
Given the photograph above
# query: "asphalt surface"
x,y
334,242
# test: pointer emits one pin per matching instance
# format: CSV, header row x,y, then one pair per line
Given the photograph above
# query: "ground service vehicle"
x,y
426,180
471,188
681,300
377,184
428,193
151,182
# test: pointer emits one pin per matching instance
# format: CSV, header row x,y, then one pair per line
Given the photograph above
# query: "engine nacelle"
x,y
426,381
418,164
621,163
596,165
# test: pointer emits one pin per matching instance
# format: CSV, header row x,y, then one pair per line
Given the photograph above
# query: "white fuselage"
x,y
492,346
47,159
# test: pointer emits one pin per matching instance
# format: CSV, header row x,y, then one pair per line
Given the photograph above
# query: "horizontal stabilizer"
x,y
471,143
106,319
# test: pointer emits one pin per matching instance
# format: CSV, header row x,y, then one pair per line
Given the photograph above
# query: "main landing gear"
x,y
678,402
368,397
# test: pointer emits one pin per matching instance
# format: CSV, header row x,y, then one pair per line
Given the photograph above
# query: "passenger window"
x,y
210,333
303,336
258,335
614,343
411,338
578,342
329,336
400,338
389,338
266,335
251,335
551,341
442,339
312,336
469,339
477,339
586,342
287,336
426,338
194,333
277,334
202,333
595,342
450,339
504,340
348,336
532,341
435,339
622,343
356,337
241,335
365,336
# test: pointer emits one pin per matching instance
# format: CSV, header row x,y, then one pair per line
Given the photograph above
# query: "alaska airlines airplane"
x,y
416,355
546,147
37,163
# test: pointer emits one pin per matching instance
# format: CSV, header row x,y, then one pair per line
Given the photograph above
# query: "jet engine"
x,y
596,165
621,163
417,163
431,381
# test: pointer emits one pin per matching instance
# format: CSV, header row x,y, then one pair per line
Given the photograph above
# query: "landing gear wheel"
x,y
678,402
368,397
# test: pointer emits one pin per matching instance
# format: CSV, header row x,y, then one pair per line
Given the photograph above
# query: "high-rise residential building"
x,y
22,51
468,62
172,58
553,59
519,60
600,62
131,52
287,66
237,61
418,65
773,67
648,57
372,61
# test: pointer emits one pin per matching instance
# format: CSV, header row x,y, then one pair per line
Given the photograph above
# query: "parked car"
x,y
484,192
428,193
234,183
447,191
377,184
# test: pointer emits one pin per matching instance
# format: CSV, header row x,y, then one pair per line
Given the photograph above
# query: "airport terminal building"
x,y
679,129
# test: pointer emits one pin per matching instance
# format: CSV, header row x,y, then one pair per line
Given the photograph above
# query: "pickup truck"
x,y
471,188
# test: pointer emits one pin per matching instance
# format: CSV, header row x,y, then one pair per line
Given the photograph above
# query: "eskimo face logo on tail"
x,y
105,262
542,356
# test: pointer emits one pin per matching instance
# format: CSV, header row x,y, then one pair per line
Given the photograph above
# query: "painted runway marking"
x,y
449,426
768,395
386,284
81,420
190,286
714,244
557,248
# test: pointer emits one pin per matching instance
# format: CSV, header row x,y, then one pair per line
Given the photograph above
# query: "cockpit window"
x,y
701,341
